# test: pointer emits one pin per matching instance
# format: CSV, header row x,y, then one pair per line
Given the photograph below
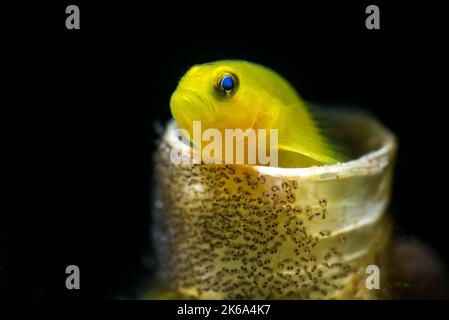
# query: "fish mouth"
x,y
188,96
186,106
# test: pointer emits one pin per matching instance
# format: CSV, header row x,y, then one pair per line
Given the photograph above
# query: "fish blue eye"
x,y
227,83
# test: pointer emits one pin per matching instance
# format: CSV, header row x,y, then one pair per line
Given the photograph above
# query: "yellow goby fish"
x,y
236,94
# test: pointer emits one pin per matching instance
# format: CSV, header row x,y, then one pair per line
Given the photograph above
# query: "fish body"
x,y
236,94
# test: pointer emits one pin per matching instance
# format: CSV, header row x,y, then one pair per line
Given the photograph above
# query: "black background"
x,y
84,104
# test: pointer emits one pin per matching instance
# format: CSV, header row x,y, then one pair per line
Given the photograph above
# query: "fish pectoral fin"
x,y
320,154
291,159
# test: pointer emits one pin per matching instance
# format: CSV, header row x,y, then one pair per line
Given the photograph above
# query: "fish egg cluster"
x,y
228,232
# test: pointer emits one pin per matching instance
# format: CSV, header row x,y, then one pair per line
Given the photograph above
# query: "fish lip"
x,y
190,96
187,106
